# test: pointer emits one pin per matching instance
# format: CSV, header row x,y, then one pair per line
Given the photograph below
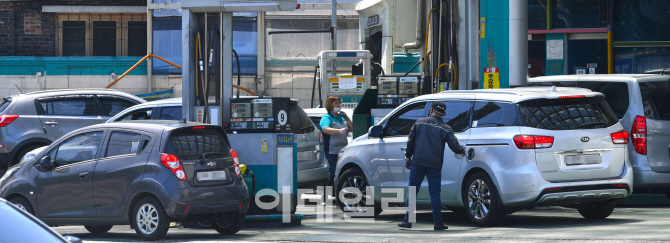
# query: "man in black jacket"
x,y
424,157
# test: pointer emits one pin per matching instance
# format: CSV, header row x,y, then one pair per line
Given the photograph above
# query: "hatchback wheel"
x,y
23,204
151,222
230,223
353,185
597,210
98,229
481,200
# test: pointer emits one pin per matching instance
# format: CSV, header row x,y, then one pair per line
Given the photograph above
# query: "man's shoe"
x,y
405,224
440,226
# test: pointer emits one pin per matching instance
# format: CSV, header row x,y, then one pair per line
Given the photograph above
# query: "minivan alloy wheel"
x,y
357,202
479,199
147,219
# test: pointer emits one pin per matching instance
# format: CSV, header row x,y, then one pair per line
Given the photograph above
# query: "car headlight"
x,y
9,173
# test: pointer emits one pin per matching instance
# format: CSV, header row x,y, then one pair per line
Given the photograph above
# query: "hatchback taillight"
x,y
171,162
533,142
620,137
6,119
320,138
236,161
639,135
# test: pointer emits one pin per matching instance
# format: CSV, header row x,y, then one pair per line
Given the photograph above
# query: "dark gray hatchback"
x,y
145,174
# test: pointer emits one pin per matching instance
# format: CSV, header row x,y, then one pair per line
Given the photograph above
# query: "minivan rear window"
x,y
655,99
616,93
191,144
567,113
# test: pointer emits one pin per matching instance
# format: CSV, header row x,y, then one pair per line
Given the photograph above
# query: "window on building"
x,y
303,46
74,38
101,35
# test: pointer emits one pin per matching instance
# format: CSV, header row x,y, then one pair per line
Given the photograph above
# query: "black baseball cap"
x,y
439,107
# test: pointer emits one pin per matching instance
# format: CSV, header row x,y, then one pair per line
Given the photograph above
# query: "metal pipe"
x,y
419,32
425,47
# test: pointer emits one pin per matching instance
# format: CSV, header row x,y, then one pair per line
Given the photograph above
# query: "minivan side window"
x,y
494,114
78,148
68,107
655,99
402,122
141,114
170,113
458,115
111,107
125,143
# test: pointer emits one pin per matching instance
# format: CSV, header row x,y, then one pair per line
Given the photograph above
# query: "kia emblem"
x,y
585,139
211,163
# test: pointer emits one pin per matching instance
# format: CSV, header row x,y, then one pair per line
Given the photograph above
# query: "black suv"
x,y
145,174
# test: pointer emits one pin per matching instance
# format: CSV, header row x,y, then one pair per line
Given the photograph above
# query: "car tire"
x,y
597,210
355,177
23,152
230,224
151,221
481,200
22,203
100,229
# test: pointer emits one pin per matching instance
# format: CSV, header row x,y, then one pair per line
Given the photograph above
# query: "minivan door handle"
x,y
317,151
403,148
51,123
83,175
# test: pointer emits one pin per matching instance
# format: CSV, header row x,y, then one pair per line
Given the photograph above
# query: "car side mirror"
x,y
375,131
45,162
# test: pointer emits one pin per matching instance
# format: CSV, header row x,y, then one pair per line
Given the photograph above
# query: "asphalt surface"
x,y
545,224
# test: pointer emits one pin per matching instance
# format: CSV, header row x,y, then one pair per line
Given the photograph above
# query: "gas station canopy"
x,y
202,6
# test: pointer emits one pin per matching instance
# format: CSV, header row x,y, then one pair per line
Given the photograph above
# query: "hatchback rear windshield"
x,y
300,121
567,114
191,144
655,99
5,103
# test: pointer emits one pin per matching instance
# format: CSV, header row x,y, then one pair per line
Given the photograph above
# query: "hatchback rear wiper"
x,y
592,124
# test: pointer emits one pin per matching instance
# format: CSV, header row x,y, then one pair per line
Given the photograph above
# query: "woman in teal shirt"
x,y
336,126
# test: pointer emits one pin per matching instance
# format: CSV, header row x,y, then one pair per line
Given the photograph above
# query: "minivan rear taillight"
x,y
533,142
171,162
639,135
236,161
620,137
6,119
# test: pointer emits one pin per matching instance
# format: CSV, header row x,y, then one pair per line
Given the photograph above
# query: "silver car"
x,y
313,170
32,120
641,102
525,147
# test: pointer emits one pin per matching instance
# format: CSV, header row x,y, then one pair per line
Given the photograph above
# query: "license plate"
x,y
583,159
211,176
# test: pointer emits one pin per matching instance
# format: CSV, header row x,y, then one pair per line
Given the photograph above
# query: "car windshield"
x,y
567,113
16,226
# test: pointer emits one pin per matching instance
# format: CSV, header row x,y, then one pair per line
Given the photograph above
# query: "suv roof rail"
x,y
60,90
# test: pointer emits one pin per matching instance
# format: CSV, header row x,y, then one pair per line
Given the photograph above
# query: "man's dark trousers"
x,y
416,175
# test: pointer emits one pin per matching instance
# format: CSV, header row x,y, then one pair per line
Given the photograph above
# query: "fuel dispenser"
x,y
258,127
260,134
348,84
